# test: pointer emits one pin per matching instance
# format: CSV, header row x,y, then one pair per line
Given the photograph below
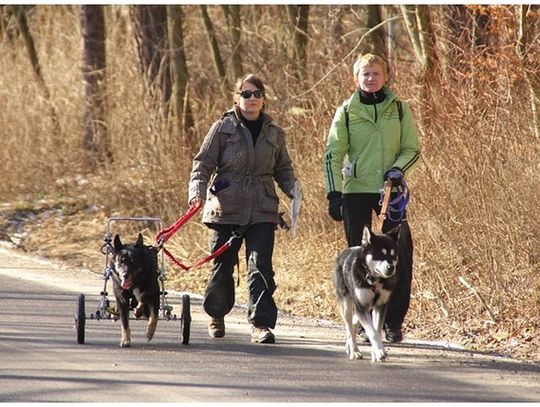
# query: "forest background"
x,y
103,108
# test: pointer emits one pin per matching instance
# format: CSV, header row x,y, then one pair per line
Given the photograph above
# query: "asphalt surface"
x,y
41,361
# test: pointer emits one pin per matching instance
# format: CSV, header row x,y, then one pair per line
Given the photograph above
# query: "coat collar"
x,y
234,115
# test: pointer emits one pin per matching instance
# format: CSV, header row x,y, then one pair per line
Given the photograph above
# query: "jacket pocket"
x,y
268,199
226,201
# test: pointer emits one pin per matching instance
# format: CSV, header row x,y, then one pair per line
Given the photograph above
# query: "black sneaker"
x,y
394,335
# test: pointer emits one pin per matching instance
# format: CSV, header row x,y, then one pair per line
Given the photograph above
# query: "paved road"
x,y
40,359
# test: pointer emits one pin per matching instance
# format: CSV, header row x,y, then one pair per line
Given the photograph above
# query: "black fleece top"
x,y
369,98
254,126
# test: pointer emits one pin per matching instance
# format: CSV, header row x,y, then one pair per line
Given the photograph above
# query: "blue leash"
x,y
399,203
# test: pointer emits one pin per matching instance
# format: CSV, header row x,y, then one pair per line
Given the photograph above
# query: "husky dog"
x,y
135,282
364,277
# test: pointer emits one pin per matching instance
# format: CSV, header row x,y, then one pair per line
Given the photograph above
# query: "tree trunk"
x,y
152,45
422,38
232,16
299,18
526,52
179,72
428,41
95,136
409,17
376,43
214,47
20,16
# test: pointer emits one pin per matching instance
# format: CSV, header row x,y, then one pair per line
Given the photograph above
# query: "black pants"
x,y
358,211
219,296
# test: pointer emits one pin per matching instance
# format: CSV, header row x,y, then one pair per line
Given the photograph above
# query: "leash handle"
x,y
165,234
384,207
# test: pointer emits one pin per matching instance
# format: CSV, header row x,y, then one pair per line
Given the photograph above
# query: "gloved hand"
x,y
219,185
334,205
395,175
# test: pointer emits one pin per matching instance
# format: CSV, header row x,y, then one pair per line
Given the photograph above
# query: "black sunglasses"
x,y
246,94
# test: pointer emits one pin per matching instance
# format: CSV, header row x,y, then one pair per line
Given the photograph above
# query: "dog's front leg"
x,y
152,322
125,341
347,309
377,351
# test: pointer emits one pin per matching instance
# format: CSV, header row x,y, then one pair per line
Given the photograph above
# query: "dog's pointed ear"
x,y
139,241
118,243
366,236
394,232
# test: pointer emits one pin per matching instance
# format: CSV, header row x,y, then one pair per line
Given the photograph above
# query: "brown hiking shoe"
x,y
216,327
261,334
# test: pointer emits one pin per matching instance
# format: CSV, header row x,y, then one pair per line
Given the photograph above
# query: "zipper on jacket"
x,y
375,107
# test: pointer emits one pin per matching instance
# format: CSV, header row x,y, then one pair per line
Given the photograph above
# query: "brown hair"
x,y
254,80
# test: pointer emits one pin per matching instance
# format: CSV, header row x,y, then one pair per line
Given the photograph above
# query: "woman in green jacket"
x,y
372,139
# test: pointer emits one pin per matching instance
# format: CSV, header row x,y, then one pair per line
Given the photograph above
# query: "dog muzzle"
x,y
386,269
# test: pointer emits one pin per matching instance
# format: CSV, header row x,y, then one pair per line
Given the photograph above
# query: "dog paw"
x,y
378,355
125,344
353,352
355,355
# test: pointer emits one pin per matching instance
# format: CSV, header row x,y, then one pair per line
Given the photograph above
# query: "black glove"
x,y
334,205
395,175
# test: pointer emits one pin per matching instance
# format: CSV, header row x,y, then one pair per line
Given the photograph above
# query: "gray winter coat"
x,y
228,157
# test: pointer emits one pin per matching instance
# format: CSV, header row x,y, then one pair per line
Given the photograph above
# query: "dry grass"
x,y
473,197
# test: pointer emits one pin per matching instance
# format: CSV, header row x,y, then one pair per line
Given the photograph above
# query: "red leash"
x,y
165,234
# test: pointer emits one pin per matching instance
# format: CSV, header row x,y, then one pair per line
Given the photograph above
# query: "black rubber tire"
x,y
185,320
80,319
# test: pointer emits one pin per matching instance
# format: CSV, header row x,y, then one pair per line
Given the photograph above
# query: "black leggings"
x,y
358,210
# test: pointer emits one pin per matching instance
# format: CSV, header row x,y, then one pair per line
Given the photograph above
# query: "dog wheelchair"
x,y
105,311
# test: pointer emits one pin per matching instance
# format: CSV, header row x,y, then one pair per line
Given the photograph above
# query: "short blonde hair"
x,y
369,59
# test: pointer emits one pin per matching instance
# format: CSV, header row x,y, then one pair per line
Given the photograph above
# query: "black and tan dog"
x,y
364,277
135,282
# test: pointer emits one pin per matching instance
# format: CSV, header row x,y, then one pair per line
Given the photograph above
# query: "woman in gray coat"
x,y
233,175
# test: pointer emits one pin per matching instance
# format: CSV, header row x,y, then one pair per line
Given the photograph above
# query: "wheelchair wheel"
x,y
185,320
80,319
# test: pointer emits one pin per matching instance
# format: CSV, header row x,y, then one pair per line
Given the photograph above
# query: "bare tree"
x,y
376,42
529,34
299,18
179,71
214,47
234,28
95,136
152,44
418,23
20,16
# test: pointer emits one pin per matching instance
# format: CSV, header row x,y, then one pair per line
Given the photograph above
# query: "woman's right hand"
x,y
197,201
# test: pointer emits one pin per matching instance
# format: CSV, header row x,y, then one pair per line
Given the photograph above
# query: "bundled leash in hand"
x,y
396,206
